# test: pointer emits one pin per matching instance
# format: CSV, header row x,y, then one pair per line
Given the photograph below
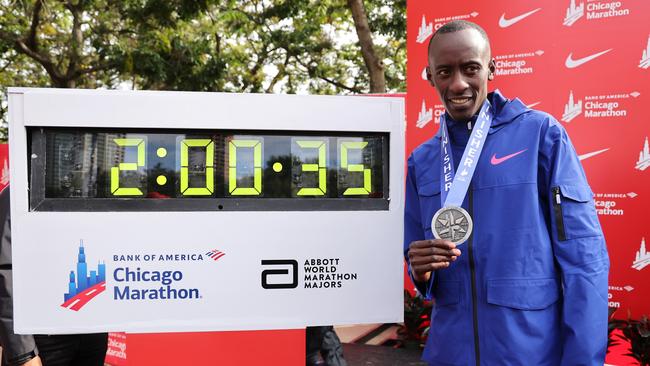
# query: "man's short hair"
x,y
455,26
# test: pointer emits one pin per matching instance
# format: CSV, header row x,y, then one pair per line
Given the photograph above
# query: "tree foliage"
x,y
279,46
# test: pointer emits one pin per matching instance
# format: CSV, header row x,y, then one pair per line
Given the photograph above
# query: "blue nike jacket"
x,y
530,287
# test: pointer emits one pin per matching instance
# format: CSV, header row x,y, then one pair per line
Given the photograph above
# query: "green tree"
x,y
281,46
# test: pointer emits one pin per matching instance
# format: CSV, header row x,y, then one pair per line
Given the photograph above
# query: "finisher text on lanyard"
x,y
452,222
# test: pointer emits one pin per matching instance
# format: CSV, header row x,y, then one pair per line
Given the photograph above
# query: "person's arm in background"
x,y
16,349
579,249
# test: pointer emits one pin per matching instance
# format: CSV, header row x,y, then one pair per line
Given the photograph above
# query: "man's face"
x,y
459,69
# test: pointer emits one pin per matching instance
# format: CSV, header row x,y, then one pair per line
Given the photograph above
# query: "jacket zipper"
x,y
472,269
559,218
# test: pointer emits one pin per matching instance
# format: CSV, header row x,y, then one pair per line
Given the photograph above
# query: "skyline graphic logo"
x,y
425,30
573,13
645,57
644,157
642,257
84,286
424,116
571,109
215,254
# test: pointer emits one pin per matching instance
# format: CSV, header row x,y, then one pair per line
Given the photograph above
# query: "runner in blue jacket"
x,y
529,287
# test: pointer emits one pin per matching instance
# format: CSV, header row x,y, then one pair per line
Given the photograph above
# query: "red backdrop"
x,y
596,53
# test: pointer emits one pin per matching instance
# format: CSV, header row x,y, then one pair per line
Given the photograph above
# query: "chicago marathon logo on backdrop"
x,y
425,31
594,10
645,57
84,286
644,157
439,22
612,204
642,257
597,106
610,295
426,115
517,63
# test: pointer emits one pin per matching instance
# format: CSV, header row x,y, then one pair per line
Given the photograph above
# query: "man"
x,y
529,285
37,350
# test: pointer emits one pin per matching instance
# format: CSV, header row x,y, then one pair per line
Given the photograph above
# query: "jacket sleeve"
x,y
413,226
579,249
16,349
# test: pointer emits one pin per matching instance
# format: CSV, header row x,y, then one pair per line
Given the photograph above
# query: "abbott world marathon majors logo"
x,y
594,10
131,277
317,273
597,106
517,63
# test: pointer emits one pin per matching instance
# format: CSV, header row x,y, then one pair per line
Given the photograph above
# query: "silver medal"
x,y
453,224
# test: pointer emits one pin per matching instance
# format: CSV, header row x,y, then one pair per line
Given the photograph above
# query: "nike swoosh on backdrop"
x,y
497,161
588,155
571,63
505,23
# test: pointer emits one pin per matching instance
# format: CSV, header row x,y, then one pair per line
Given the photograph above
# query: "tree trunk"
x,y
373,63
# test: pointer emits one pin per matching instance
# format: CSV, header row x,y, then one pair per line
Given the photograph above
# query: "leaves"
x,y
278,46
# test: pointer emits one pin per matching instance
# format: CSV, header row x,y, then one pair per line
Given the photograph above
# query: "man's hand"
x,y
430,255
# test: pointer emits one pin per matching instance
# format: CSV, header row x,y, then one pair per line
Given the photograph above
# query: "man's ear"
x,y
492,69
430,76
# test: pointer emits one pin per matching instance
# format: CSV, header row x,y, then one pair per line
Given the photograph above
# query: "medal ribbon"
x,y
453,187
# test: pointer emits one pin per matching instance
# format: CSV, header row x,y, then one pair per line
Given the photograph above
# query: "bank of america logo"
x,y
84,286
425,116
644,157
645,58
425,31
573,13
642,257
215,254
571,109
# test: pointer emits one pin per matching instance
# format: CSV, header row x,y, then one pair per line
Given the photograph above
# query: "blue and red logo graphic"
x,y
84,286
215,254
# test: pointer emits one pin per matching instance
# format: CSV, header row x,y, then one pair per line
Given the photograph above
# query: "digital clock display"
x,y
228,169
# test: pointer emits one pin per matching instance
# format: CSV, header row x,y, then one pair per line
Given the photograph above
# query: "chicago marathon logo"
x,y
426,115
598,106
644,157
612,204
517,63
425,31
83,286
642,257
594,10
645,57
158,276
439,22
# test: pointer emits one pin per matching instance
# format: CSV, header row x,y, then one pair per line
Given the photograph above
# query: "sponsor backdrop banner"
x,y
587,63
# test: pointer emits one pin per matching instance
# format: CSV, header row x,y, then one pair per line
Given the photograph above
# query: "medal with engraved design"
x,y
453,224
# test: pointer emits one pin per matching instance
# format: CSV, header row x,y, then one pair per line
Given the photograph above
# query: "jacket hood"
x,y
506,110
